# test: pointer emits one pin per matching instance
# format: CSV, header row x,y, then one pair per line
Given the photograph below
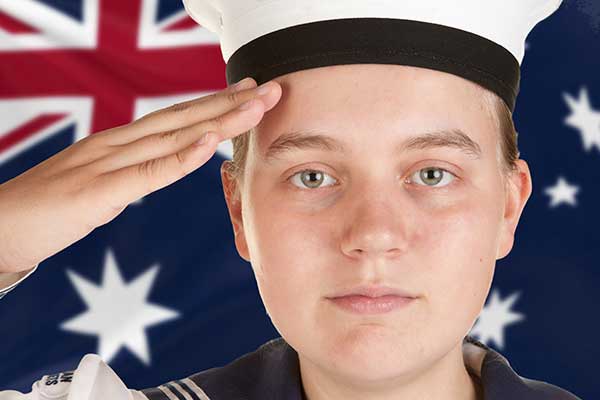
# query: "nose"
x,y
378,225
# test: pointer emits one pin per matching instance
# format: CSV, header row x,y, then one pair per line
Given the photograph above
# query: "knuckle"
x,y
218,122
210,97
169,136
147,169
178,107
233,98
181,162
190,106
185,163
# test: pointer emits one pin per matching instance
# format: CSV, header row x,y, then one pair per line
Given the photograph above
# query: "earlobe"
x,y
517,192
234,206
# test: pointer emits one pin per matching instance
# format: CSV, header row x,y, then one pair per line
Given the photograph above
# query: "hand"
x,y
61,200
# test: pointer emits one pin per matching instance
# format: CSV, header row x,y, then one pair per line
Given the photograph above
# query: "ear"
x,y
234,205
518,190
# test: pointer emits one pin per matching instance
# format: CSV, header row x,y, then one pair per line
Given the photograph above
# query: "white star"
x,y
562,192
117,312
584,118
494,318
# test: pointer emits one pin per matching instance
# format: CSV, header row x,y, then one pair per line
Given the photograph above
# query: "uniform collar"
x,y
272,373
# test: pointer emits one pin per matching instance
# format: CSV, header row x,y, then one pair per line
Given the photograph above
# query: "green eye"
x,y
431,176
309,178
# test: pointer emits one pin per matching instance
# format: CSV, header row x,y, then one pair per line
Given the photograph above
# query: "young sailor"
x,y
372,281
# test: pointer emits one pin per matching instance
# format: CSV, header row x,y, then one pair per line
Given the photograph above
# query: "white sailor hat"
x,y
479,40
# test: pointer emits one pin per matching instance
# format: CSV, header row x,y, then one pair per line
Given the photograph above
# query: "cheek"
x,y
287,257
462,259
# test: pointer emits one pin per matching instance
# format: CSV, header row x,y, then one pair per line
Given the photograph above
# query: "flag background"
x,y
69,68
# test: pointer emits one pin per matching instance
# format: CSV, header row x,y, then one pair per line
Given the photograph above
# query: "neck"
x,y
454,377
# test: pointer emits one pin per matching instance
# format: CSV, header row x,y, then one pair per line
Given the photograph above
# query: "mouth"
x,y
365,305
374,291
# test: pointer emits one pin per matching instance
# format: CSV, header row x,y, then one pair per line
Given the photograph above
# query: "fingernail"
x,y
246,105
264,88
243,84
203,139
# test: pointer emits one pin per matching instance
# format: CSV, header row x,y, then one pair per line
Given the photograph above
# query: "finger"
x,y
187,113
104,157
126,185
158,145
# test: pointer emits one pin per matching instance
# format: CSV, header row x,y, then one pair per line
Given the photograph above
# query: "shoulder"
x,y
545,390
268,373
501,381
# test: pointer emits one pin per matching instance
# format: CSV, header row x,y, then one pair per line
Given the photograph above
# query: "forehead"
x,y
376,104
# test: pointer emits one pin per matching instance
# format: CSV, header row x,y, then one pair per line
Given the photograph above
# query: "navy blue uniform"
x,y
272,373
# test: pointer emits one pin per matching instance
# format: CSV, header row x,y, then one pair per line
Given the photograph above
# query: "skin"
x,y
373,221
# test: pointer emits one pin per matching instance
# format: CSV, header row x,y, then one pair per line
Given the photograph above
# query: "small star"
x,y
584,118
562,192
118,313
494,318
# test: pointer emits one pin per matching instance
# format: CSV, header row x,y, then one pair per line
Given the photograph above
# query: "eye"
x,y
431,176
309,177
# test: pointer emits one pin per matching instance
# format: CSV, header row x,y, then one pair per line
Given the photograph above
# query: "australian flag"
x,y
161,293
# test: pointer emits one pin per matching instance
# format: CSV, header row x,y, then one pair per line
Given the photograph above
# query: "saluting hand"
x,y
61,200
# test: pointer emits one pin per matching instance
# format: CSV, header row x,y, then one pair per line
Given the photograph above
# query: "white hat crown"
x,y
479,40
238,22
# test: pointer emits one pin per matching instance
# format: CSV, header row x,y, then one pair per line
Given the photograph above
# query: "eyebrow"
x,y
309,140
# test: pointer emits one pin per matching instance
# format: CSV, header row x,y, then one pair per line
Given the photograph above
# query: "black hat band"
x,y
378,41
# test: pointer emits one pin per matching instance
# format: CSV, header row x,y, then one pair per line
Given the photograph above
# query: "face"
x,y
428,218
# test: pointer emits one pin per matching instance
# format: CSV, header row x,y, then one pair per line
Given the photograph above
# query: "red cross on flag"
x,y
95,64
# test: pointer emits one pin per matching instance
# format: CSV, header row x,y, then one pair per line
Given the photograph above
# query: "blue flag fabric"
x,y
169,258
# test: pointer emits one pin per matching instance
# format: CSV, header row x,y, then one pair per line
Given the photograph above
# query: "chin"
x,y
366,345
372,370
